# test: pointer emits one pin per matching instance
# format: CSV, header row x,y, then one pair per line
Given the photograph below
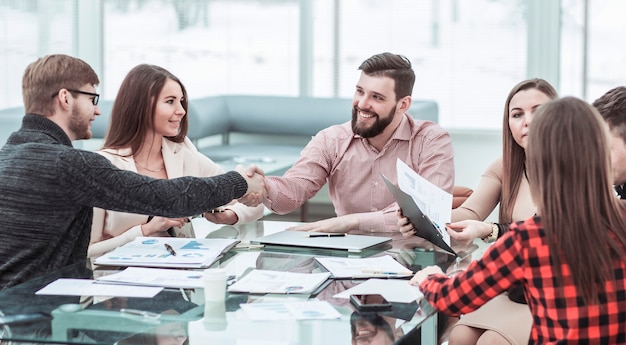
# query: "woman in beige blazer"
x,y
147,135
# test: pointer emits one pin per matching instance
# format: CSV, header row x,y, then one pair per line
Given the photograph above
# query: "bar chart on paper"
x,y
168,252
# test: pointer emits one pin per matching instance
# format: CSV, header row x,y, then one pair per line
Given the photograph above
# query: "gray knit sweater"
x,y
48,190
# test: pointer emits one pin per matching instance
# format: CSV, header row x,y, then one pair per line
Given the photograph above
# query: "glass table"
x,y
180,316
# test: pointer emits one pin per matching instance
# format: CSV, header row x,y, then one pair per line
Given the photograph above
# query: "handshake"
x,y
257,189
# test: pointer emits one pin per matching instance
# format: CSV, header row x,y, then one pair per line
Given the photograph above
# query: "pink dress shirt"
x,y
352,168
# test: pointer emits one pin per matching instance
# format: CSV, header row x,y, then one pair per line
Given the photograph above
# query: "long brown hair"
x,y
132,114
569,169
513,155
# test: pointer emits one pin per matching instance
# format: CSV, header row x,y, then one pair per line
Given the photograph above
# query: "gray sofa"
x,y
269,131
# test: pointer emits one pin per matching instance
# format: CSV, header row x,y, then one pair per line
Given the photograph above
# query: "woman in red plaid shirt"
x,y
570,257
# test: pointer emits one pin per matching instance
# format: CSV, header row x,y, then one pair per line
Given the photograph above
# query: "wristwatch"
x,y
493,236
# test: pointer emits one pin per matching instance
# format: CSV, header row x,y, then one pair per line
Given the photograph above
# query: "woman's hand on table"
x,y
424,273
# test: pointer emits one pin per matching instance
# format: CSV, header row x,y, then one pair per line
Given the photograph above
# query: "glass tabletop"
x,y
180,316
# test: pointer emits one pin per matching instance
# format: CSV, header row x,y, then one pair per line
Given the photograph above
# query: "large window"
x,y
463,58
214,47
592,59
466,54
28,30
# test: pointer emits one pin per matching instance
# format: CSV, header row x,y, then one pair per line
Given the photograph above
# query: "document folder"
x,y
424,227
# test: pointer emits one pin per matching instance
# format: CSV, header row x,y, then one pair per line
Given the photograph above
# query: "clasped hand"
x,y
257,188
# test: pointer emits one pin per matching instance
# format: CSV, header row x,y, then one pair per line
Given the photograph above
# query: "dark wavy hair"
x,y
132,114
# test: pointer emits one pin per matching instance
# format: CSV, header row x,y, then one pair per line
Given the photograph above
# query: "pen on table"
x,y
248,246
325,235
170,249
374,271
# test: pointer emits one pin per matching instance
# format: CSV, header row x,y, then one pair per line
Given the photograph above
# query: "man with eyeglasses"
x,y
80,125
49,189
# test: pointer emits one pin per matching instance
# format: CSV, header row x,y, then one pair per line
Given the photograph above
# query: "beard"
x,y
376,128
79,125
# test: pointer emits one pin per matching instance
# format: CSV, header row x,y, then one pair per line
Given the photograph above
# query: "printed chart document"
x,y
291,310
168,252
427,206
432,200
381,266
88,287
169,278
392,289
266,281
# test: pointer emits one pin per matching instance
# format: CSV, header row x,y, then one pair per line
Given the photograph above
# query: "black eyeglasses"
x,y
94,100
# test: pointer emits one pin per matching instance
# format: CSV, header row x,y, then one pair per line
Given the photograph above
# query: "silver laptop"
x,y
344,242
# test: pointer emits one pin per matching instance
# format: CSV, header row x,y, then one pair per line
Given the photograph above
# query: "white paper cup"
x,y
214,280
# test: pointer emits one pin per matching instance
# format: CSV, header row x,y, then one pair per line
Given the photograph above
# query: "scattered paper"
x,y
170,278
393,290
291,310
266,281
381,266
88,287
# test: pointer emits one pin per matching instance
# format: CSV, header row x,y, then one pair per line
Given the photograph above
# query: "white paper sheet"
x,y
88,287
266,281
381,266
171,278
393,290
432,200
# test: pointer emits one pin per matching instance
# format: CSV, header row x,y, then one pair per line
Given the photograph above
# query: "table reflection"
x,y
173,333
373,329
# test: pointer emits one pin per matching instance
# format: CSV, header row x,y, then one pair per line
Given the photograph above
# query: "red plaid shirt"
x,y
522,255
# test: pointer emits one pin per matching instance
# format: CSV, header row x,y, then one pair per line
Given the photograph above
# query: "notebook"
x,y
424,227
349,243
